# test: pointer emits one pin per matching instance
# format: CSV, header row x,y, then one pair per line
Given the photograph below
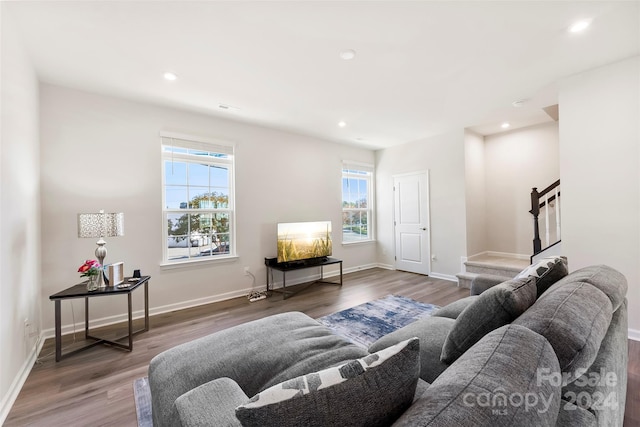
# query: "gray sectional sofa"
x,y
533,351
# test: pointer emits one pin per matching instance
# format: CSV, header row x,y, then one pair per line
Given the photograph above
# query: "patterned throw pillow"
x,y
372,391
547,271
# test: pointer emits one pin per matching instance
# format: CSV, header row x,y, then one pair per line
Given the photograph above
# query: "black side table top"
x,y
80,290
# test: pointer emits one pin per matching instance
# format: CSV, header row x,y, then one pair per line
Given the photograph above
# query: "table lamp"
x,y
101,225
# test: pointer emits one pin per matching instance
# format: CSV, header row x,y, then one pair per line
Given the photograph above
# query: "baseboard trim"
x,y
448,277
386,266
18,382
634,334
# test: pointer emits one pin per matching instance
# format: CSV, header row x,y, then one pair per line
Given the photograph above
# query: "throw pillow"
x,y
372,391
495,307
547,271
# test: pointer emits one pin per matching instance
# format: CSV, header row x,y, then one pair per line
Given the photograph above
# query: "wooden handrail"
x,y
535,211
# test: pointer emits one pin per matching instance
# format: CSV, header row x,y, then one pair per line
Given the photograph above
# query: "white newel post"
x,y
557,214
546,219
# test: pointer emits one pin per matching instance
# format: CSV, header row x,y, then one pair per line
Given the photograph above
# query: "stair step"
x,y
464,279
502,265
480,267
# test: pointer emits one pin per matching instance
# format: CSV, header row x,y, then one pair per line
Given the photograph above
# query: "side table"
x,y
80,291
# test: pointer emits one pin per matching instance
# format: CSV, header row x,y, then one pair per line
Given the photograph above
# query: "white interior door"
x,y
411,221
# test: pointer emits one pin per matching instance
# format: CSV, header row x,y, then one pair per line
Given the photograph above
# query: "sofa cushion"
x,y
453,310
547,271
603,277
493,384
495,307
574,318
372,391
432,332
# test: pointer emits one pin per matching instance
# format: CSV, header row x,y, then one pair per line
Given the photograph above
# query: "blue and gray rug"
x,y
366,323
362,325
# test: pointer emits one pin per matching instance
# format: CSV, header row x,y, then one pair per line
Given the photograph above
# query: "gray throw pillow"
x,y
372,391
495,307
547,271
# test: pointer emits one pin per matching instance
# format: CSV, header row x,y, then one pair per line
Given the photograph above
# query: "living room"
x,y
68,150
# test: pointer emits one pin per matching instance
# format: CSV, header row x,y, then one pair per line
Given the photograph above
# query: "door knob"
x,y
424,228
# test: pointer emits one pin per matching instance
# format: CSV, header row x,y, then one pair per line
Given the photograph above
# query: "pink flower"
x,y
91,267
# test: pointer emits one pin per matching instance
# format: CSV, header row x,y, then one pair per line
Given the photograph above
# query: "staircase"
x,y
502,265
545,208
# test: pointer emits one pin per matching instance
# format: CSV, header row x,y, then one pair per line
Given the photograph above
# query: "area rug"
x,y
366,323
362,325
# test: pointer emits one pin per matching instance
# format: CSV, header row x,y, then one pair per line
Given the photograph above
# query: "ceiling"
x,y
421,67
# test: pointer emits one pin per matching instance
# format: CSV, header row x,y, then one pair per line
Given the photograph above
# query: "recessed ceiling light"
x,y
519,103
505,125
170,76
579,26
342,124
348,54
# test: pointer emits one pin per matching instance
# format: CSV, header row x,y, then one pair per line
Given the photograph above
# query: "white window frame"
x,y
358,170
209,145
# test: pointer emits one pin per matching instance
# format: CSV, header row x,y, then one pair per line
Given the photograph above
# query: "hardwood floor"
x,y
95,387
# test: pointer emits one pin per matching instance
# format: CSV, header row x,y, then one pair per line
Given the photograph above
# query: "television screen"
x,y
304,240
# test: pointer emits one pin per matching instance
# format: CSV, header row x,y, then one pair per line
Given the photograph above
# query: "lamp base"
x,y
101,253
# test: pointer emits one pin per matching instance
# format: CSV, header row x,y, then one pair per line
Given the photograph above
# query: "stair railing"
x,y
545,199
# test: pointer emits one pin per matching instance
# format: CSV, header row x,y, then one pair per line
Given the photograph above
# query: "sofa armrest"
x,y
255,355
453,310
482,282
211,404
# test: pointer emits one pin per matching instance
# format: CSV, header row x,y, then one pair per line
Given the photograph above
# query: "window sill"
x,y
197,262
361,242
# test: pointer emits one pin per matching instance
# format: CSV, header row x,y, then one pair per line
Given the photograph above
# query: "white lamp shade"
x,y
100,224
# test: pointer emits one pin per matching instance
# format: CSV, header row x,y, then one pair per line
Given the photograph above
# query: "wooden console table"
x,y
80,291
285,267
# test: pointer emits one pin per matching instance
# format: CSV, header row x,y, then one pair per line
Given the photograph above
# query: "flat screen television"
x,y
299,241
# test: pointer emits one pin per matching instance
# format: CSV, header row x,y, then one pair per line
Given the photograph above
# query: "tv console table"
x,y
285,267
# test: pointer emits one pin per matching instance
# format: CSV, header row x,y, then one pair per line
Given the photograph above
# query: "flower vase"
x,y
92,284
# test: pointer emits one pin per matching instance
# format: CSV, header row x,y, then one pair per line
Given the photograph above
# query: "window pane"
x,y
363,194
199,175
353,192
219,176
175,173
176,197
214,200
355,226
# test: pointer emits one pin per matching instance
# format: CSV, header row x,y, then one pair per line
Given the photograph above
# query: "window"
x,y
357,202
197,199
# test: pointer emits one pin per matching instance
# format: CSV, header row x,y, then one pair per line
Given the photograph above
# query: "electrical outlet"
x,y
246,271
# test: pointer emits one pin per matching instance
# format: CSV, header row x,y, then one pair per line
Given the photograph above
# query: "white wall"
x,y
475,193
515,162
600,172
19,215
443,156
104,153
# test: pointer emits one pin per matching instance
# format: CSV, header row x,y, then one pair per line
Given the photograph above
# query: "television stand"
x,y
285,267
